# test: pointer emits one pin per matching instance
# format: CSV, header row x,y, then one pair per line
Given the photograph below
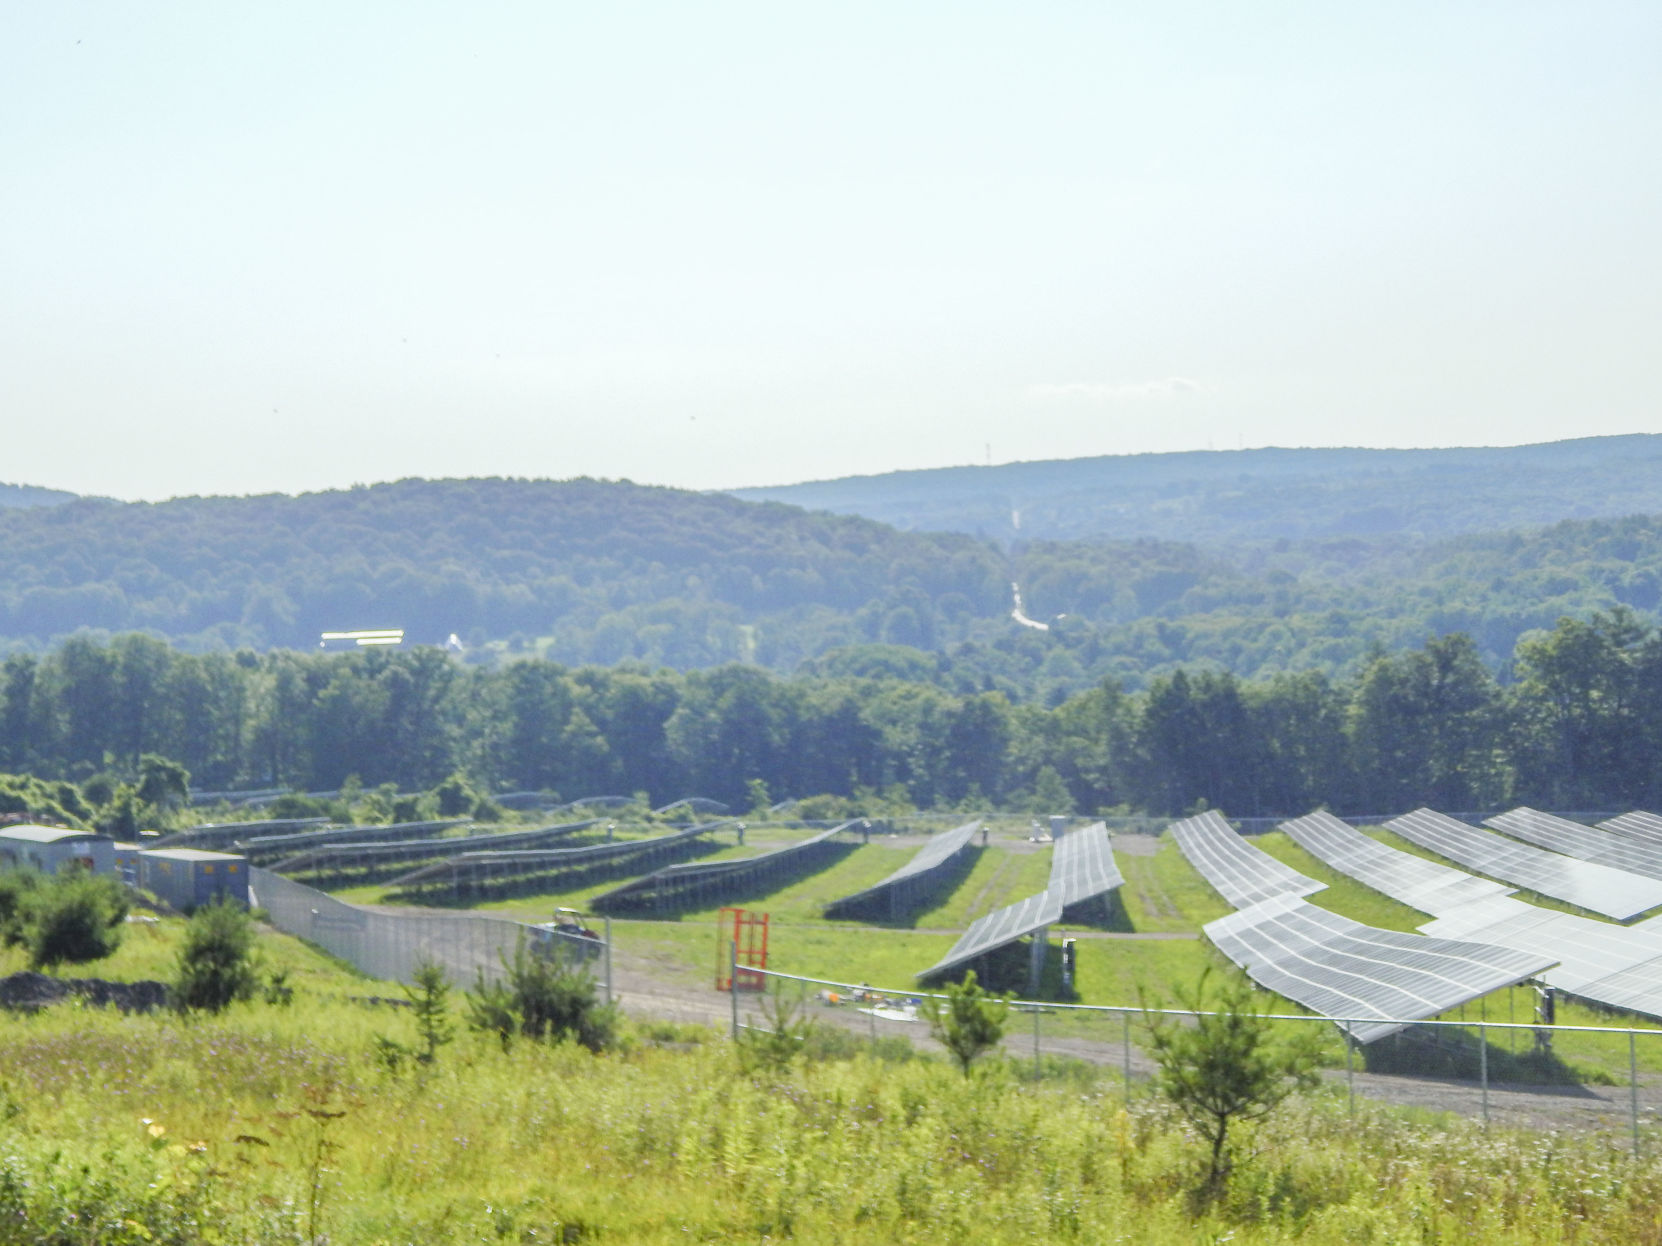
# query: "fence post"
x,y
733,982
1126,1018
871,1011
1633,1087
1350,1068
1483,1065
609,999
1035,1044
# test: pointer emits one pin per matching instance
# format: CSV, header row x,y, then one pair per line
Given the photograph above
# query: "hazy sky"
x,y
292,246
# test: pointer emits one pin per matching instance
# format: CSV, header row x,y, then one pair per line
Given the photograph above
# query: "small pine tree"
x,y
970,1023
782,1037
429,998
1228,1068
216,960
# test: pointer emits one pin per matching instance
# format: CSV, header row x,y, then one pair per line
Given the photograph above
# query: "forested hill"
x,y
17,496
598,564
594,572
1224,498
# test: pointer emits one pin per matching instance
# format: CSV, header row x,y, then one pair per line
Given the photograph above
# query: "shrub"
x,y
216,960
16,886
545,996
970,1023
75,917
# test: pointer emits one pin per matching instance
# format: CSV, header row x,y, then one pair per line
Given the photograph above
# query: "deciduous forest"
x,y
1579,727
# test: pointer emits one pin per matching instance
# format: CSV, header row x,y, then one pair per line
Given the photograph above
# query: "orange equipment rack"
x,y
749,932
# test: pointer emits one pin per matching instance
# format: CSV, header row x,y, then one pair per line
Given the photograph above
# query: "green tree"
x,y
163,784
429,997
1227,1069
543,996
75,917
1425,729
781,1037
969,1023
216,966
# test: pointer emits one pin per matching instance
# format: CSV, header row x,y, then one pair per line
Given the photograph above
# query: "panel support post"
x,y
1036,960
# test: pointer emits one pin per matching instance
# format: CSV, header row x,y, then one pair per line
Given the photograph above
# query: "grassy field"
x,y
279,1124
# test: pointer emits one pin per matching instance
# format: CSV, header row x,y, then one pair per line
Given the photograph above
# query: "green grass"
x,y
1344,895
1163,893
280,1125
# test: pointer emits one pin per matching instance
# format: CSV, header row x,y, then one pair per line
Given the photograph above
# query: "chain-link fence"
x,y
392,945
1485,1078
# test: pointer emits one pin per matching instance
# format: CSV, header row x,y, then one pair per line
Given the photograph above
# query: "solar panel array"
x,y
267,847
1082,865
1414,881
378,852
1636,825
1342,969
1006,925
1081,868
1582,842
1618,966
1242,874
937,852
1597,888
674,878
546,859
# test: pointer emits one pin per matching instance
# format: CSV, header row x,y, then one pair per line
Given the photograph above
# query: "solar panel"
x,y
1636,825
1618,966
1006,925
937,852
1082,865
1414,881
1582,842
1242,874
1597,888
1342,969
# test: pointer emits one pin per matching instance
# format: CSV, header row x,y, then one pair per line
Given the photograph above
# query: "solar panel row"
x,y
1242,874
1414,881
1646,827
1597,888
1618,966
1006,925
1082,865
1342,969
1636,856
937,852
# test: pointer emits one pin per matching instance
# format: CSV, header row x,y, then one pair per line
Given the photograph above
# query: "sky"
x,y
256,248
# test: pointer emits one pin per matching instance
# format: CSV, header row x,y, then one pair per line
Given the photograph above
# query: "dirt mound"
x,y
29,991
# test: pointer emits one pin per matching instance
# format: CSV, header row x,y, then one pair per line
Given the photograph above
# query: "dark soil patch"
x,y
28,992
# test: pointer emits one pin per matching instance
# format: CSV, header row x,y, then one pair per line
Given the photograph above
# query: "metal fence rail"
x,y
392,945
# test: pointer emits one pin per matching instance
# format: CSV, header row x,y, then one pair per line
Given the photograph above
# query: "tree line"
x,y
1578,725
